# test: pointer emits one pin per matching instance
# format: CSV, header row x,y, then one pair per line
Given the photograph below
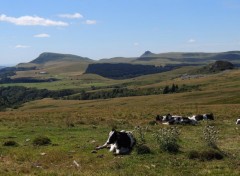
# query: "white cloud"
x,y
191,41
41,35
91,22
22,46
31,21
71,16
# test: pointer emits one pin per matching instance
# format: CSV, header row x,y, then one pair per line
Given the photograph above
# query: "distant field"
x,y
88,80
92,120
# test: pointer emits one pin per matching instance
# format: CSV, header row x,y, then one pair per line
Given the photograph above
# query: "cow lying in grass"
x,y
175,119
238,122
203,117
120,142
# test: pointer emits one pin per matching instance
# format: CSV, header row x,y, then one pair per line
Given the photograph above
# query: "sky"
x,y
116,28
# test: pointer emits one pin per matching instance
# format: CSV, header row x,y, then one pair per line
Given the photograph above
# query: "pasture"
x,y
75,128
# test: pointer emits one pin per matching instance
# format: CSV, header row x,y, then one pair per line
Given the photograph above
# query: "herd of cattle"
x,y
193,120
122,142
176,119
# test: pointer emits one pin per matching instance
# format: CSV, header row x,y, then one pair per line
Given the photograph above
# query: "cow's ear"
x,y
113,129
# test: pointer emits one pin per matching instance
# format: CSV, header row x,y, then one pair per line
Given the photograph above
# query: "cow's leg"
x,y
112,148
117,151
101,147
122,150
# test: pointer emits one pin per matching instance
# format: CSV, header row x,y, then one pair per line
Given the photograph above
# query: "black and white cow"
x,y
238,122
177,119
120,142
208,116
197,117
202,117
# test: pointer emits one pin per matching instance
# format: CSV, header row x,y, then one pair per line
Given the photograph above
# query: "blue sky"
x,y
110,28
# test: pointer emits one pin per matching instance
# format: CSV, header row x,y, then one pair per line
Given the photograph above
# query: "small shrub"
x,y
141,146
10,143
143,149
210,136
193,154
167,139
140,134
41,140
211,155
206,155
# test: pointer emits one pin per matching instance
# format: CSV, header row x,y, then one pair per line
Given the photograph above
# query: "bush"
x,y
206,155
167,139
10,143
143,149
140,134
193,154
141,146
41,140
210,136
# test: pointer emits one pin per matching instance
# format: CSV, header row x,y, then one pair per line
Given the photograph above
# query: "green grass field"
x,y
77,127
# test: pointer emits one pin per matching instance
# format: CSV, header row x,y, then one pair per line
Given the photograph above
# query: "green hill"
x,y
50,57
55,63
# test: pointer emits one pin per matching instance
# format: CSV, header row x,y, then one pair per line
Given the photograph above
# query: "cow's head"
x,y
112,138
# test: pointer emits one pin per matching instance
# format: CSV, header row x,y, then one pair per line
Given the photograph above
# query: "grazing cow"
x,y
238,122
121,142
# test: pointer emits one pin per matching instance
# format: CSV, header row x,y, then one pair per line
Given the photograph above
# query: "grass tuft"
x,y
10,143
206,155
142,149
41,140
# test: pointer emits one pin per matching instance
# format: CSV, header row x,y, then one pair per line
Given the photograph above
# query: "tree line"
x,y
126,92
15,96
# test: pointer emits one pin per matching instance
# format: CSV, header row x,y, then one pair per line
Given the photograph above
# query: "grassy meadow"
x,y
77,127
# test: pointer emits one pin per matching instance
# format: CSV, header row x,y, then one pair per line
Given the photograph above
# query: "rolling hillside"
x,y
76,127
77,123
189,58
51,57
55,64
70,70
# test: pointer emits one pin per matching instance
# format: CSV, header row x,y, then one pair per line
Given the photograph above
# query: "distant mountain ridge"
x,y
49,57
193,57
148,57
148,54
68,64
